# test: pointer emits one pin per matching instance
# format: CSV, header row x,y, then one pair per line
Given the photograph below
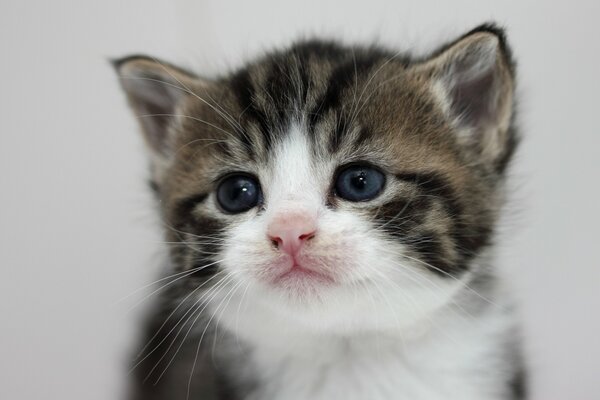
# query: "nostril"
x,y
307,236
275,241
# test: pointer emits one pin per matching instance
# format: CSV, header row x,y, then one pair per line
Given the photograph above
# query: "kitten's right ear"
x,y
155,90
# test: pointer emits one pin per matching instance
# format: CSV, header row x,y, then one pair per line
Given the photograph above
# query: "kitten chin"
x,y
330,213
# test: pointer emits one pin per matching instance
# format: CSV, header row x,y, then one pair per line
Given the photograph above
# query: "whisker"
x,y
223,283
215,335
170,316
237,317
461,282
202,337
190,272
186,273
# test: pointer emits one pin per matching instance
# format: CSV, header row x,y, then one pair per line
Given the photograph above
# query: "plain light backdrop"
x,y
77,229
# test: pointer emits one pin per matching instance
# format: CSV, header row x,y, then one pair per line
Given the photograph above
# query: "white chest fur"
x,y
453,357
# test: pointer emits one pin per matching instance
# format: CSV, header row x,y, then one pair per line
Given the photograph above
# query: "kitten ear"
x,y
155,89
473,78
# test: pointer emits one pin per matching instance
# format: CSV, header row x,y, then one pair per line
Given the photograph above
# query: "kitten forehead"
x,y
344,105
297,175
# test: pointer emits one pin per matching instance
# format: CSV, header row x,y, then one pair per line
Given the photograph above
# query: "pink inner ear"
x,y
473,99
289,230
476,78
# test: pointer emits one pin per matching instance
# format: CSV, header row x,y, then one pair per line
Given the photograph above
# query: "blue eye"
x,y
238,193
359,183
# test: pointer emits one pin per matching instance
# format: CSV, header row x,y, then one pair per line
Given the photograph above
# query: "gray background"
x,y
77,231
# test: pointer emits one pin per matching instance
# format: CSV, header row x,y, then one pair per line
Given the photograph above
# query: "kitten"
x,y
330,212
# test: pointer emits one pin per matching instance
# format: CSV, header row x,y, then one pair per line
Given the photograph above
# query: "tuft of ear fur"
x,y
473,79
155,90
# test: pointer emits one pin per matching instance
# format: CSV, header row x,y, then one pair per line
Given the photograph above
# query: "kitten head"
x,y
339,188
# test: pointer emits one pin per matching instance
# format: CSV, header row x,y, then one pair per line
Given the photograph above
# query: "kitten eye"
x,y
238,193
359,183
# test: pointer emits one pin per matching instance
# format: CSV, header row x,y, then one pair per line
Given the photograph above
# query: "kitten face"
x,y
350,256
343,189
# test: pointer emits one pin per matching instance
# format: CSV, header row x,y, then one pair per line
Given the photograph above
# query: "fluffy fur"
x,y
405,304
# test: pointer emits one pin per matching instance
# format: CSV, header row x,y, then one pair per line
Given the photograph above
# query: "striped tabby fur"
x,y
441,127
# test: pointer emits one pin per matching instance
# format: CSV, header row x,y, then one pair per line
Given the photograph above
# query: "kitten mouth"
x,y
298,273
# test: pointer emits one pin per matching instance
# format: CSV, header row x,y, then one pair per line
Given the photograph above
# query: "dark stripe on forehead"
x,y
364,135
304,74
323,50
338,132
244,90
226,150
346,75
310,56
284,86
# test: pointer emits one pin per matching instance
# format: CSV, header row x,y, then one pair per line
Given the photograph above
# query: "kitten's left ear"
x,y
473,79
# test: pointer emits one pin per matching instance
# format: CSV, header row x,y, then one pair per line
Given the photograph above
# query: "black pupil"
x,y
359,181
239,193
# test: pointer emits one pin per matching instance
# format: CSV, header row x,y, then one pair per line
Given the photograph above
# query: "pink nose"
x,y
289,231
